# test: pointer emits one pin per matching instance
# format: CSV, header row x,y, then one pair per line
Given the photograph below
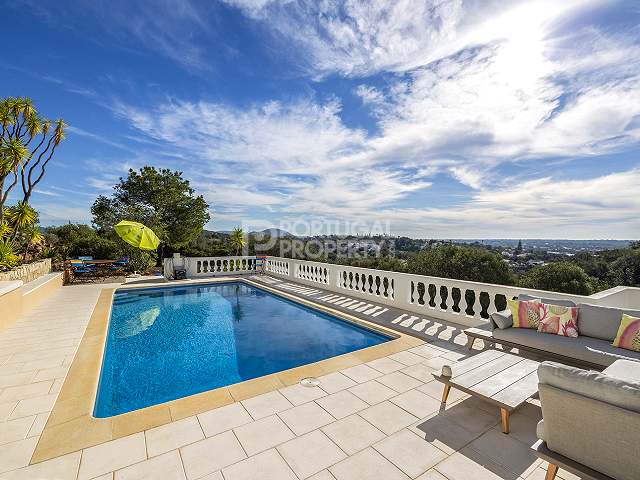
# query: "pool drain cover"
x,y
310,382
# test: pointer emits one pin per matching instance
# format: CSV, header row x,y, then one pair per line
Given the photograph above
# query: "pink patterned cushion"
x,y
526,313
558,320
628,333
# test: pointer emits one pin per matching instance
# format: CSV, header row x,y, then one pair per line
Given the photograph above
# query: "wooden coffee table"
x,y
500,378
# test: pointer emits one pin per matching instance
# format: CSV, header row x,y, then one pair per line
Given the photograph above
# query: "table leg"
x,y
505,420
551,472
445,393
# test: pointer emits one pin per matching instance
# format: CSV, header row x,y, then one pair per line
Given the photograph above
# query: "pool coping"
x,y
71,425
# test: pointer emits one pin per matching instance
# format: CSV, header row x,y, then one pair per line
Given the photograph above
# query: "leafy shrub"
x,y
8,257
461,263
140,261
565,277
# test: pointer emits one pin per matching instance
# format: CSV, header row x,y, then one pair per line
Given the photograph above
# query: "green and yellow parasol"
x,y
137,234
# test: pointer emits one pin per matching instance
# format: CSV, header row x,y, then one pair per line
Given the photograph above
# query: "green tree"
x,y
73,240
565,277
237,240
27,145
626,269
160,199
462,263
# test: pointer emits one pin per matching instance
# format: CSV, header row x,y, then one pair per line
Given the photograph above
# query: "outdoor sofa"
x,y
591,420
597,328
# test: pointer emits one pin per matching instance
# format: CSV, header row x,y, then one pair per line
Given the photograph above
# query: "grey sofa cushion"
x,y
502,319
591,384
540,429
549,301
601,322
587,349
624,369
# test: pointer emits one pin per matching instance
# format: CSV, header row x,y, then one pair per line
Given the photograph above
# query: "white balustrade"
x,y
211,266
279,266
459,301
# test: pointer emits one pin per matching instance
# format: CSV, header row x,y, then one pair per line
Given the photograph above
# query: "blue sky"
x,y
450,119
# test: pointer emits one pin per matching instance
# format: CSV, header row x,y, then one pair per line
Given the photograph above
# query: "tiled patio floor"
x,y
380,420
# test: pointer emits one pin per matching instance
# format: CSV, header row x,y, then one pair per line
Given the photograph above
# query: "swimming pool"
x,y
171,342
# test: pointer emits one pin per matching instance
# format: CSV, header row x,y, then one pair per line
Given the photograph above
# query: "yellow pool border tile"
x,y
72,427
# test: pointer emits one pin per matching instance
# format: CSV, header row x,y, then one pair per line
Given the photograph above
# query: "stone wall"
x,y
28,272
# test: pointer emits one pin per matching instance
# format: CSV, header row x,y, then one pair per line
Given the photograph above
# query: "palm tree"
x,y
32,236
237,239
21,216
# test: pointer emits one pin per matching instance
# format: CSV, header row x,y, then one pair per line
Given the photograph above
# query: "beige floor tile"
x,y
304,418
323,475
335,382
416,403
522,427
388,417
386,365
35,405
432,474
38,425
16,379
472,419
213,476
112,455
141,420
211,454
361,373
434,389
443,433
437,362
310,453
353,434
49,362
269,464
19,392
266,404
263,434
51,373
16,454
465,465
506,451
426,351
167,466
407,358
57,385
173,435
298,394
224,418
373,392
399,381
61,468
6,409
412,454
342,404
15,429
420,372
367,465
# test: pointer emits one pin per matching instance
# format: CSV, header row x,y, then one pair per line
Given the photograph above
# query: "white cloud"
x,y
470,93
369,95
600,207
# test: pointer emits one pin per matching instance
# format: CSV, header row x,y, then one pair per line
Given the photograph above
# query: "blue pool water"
x,y
168,343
